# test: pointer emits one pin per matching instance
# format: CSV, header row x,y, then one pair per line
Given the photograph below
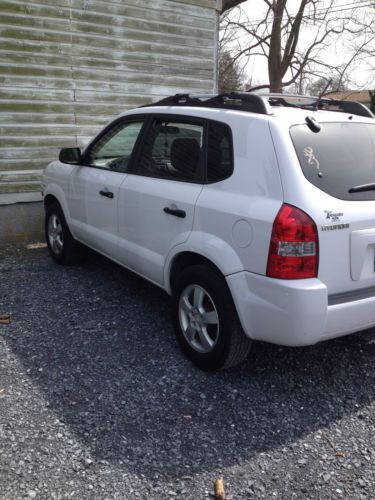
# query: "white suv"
x,y
256,213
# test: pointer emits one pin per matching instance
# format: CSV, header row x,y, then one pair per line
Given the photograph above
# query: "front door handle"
x,y
176,212
106,193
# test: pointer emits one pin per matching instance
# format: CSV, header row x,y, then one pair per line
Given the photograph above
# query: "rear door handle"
x,y
106,193
176,212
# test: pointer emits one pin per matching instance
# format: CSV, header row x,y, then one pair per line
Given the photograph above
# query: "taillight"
x,y
294,250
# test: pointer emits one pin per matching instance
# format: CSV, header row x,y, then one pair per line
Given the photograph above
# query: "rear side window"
x,y
339,157
219,152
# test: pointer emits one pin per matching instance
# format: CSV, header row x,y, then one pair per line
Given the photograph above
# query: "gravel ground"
x,y
96,401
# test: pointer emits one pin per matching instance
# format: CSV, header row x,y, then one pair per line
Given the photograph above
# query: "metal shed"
x,y
68,66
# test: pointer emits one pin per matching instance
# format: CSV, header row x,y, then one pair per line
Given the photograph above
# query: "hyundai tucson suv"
x,y
256,213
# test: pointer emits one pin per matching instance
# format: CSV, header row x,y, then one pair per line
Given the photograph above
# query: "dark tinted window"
x,y
339,157
220,152
173,150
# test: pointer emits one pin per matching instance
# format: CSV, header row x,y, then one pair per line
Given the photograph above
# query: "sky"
x,y
336,53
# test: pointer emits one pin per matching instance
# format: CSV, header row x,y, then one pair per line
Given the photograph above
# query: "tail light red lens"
x,y
294,247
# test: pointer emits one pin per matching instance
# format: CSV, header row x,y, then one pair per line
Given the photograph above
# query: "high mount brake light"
x,y
294,246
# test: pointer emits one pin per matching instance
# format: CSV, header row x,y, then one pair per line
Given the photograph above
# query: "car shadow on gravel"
x,y
99,343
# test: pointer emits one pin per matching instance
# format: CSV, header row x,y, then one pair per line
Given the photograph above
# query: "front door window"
x,y
114,149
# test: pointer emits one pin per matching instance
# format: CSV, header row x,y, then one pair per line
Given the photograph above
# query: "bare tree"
x,y
290,58
230,74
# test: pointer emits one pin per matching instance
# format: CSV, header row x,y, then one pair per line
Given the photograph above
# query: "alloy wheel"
x,y
55,234
199,319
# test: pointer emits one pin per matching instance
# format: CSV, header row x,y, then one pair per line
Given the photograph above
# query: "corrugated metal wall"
x,y
68,66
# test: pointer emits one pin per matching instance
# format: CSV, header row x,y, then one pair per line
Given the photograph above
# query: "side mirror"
x,y
70,155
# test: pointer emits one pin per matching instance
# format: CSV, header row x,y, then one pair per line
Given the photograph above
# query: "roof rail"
x,y
262,103
315,103
230,100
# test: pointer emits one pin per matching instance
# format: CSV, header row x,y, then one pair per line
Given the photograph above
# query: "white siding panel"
x,y
68,66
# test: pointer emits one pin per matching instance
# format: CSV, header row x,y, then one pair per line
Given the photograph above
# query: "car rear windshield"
x,y
338,158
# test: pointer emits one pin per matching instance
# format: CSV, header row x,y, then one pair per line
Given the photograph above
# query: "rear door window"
x,y
173,150
339,157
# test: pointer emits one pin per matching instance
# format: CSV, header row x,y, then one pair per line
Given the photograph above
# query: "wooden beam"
x,y
229,4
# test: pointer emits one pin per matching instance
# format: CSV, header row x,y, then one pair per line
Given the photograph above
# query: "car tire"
x,y
206,321
63,248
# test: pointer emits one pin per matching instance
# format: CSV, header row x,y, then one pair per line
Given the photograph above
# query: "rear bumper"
x,y
295,312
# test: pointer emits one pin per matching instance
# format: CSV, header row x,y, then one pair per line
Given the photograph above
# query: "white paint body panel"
x,y
230,224
93,216
362,251
295,312
146,232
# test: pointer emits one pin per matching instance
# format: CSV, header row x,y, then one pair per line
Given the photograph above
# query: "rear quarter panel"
x,y
233,218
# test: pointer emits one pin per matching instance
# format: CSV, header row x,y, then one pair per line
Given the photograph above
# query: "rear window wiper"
x,y
363,187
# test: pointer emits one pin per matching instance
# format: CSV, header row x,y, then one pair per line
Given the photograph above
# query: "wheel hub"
x,y
196,319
